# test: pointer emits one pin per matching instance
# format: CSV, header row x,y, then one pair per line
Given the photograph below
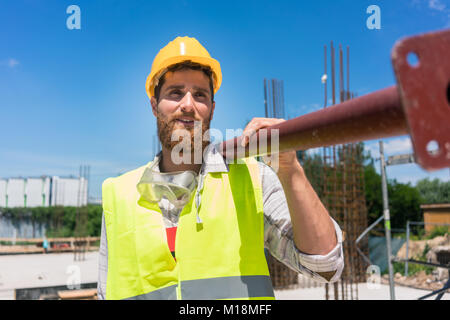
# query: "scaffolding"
x,y
417,106
343,191
282,277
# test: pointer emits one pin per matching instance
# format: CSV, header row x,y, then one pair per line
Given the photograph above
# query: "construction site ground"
x,y
54,269
42,270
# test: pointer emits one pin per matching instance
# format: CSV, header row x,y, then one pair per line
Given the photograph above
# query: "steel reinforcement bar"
x,y
419,105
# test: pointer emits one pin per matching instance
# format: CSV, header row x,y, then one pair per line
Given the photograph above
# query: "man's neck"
x,y
166,164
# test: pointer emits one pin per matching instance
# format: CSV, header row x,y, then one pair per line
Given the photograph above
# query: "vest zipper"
x,y
197,197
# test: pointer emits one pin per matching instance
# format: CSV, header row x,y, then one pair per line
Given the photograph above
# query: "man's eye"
x,y
175,92
199,94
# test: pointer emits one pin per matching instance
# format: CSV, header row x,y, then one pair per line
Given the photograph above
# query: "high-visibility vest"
x,y
220,258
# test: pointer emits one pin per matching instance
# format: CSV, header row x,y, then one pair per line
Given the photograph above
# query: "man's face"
x,y
185,97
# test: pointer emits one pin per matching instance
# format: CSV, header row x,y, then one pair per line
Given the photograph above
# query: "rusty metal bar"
x,y
418,106
376,115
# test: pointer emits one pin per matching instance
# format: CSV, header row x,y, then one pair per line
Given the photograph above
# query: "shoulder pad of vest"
x,y
129,176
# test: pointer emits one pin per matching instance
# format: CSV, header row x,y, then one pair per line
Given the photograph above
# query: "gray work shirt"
x,y
278,233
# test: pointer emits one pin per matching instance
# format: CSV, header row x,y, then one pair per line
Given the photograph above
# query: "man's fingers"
x,y
256,124
246,136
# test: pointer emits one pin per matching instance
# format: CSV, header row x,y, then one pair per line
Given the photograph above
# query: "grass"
x,y
422,235
414,268
437,231
17,243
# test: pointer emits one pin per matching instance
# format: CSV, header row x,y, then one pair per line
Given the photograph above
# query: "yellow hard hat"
x,y
178,50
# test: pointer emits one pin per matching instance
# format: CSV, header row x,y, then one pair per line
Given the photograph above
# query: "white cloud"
x,y
436,5
314,151
401,145
395,146
295,110
11,62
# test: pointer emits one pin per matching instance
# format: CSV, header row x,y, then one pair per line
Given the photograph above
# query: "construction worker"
x,y
191,229
45,245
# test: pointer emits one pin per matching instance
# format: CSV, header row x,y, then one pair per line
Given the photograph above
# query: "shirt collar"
x,y
213,161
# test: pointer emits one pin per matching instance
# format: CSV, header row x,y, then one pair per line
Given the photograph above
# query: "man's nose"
x,y
187,103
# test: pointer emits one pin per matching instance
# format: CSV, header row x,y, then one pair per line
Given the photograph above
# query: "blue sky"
x,y
72,97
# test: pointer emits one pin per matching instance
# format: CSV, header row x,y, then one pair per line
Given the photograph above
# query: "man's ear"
x,y
154,104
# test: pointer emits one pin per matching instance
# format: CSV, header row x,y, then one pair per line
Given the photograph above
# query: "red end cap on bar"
x,y
424,84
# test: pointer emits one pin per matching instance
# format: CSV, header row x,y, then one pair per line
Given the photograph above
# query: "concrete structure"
x,y
69,191
3,193
435,214
15,189
43,192
41,270
37,192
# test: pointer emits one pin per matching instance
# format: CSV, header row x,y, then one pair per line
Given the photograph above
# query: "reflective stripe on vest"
x,y
168,293
215,288
221,258
227,288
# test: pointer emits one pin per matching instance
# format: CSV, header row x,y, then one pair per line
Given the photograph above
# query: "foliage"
x,y
438,231
404,204
404,199
434,191
413,268
60,221
18,243
374,198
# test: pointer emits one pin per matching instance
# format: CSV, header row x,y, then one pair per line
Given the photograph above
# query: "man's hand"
x,y
283,162
314,232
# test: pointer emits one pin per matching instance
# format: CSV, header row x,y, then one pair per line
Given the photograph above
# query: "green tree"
x,y
434,191
404,204
374,198
60,221
404,199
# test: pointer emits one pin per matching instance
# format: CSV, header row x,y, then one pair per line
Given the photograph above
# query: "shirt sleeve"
x,y
103,263
279,239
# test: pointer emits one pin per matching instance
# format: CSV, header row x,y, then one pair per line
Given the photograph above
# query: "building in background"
x,y
434,215
43,192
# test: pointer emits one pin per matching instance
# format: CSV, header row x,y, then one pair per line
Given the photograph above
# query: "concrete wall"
x,y
3,193
15,193
69,191
43,192
37,191
21,229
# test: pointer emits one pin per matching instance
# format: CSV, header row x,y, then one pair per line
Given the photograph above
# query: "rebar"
x,y
343,195
282,277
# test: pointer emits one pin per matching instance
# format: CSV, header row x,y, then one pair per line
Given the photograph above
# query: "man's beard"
x,y
192,139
